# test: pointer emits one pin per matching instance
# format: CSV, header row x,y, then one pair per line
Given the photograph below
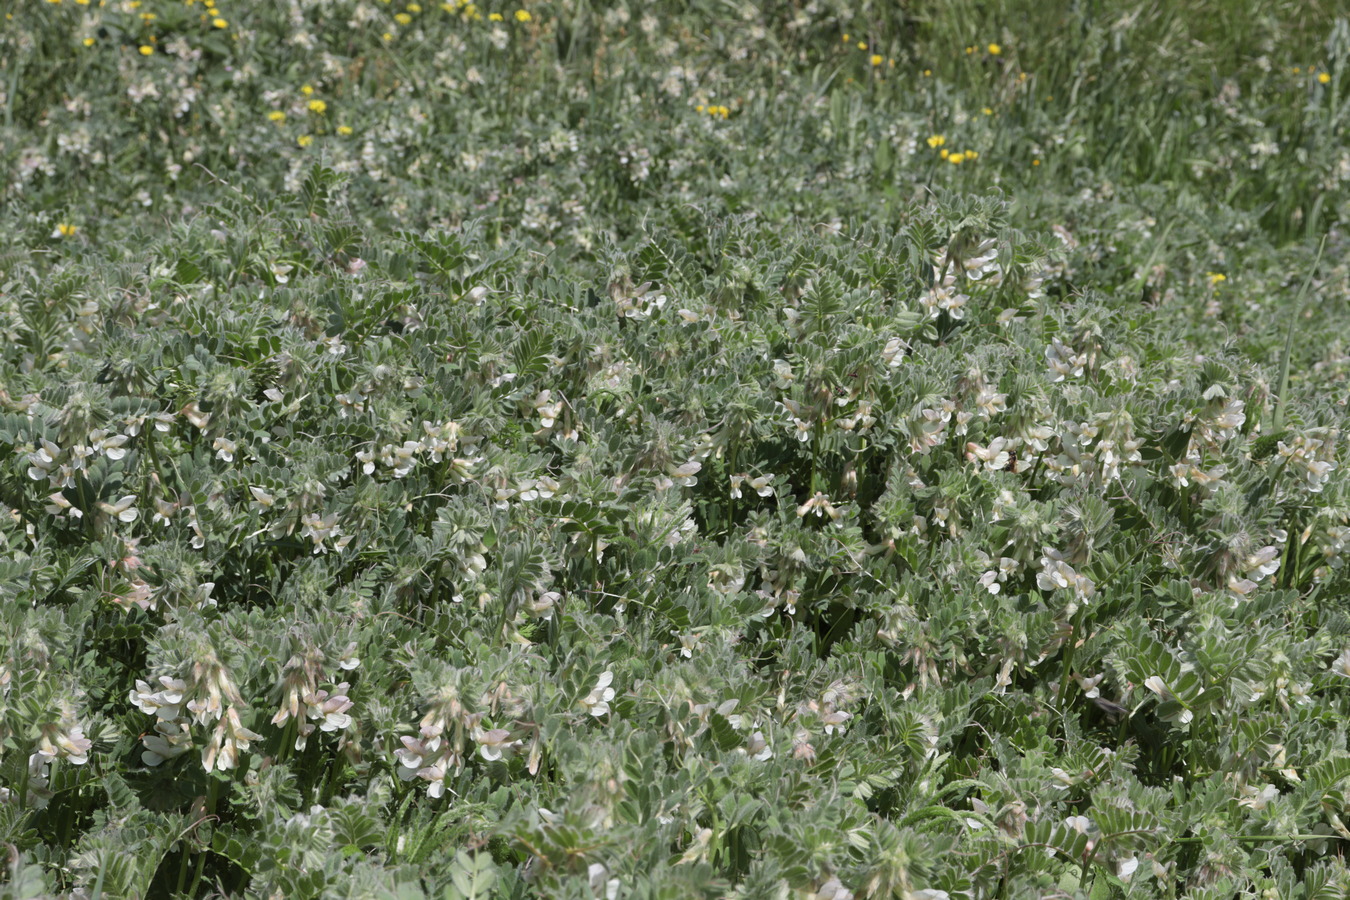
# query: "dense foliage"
x,y
674,450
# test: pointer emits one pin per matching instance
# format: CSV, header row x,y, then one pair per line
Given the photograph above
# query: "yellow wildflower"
x,y
403,18
386,37
994,49
277,115
1324,78
1035,162
969,50
936,141
987,111
862,45
318,106
65,230
414,7
944,153
1216,277
89,42
220,23
523,15
494,17
927,73
305,140
344,130
146,49
956,158
306,89
876,59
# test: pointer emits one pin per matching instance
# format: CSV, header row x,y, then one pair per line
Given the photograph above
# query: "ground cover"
x,y
674,450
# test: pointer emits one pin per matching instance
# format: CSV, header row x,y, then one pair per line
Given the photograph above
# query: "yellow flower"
x,y
927,73
698,108
1035,162
277,115
1324,78
994,49
414,7
318,106
89,42
847,39
523,15
494,17
1297,70
971,154
65,230
936,141
146,49
387,37
305,140
306,89
956,158
876,59
987,111
1216,277
403,19
969,50
944,153
220,23
862,45
344,130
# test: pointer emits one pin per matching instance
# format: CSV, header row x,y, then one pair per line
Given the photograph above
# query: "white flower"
x,y
834,720
165,703
596,702
225,449
995,457
1258,799
493,742
348,660
821,505
123,509
758,747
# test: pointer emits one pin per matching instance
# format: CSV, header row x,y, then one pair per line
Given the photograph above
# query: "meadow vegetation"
x,y
675,449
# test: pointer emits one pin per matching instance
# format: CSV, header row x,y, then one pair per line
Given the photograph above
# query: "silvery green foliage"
x,y
451,574
561,485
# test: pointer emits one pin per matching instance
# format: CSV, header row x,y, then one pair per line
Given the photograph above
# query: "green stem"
x,y
1282,392
212,796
